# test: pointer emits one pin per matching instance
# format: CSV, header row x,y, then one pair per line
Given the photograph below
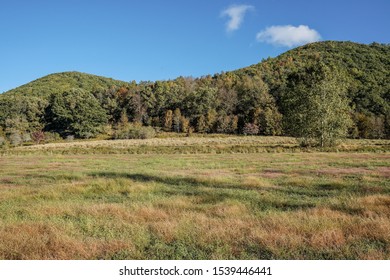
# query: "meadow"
x,y
195,198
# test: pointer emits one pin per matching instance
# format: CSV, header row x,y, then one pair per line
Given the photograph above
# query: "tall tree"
x,y
316,107
250,92
168,120
76,112
176,120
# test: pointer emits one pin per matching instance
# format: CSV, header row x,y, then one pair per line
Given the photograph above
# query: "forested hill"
x,y
367,68
258,99
61,82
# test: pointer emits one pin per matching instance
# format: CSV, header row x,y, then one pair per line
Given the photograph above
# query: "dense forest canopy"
x,y
263,99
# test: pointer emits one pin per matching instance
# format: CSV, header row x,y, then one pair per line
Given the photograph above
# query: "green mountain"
x,y
60,82
367,68
252,100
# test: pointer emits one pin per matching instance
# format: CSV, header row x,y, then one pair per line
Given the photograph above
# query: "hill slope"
x,y
60,82
366,66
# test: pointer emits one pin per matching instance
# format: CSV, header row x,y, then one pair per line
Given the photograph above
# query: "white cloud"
x,y
236,15
288,35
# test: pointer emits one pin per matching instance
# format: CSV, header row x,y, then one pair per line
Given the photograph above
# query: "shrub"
x,y
3,141
52,137
38,136
189,132
250,129
16,139
26,137
135,132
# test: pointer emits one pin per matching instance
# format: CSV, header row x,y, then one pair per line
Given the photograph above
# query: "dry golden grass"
x,y
197,144
183,141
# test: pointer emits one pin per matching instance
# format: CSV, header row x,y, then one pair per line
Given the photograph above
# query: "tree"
x,y
184,124
168,120
137,107
201,124
270,121
200,102
76,112
316,107
211,118
223,123
176,120
251,92
234,124
124,120
16,109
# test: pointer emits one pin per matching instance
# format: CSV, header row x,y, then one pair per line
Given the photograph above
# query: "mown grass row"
x,y
196,145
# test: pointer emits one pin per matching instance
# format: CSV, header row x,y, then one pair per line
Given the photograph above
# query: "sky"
x,y
148,40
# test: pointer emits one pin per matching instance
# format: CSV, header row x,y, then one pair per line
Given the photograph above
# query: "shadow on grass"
x,y
185,186
53,177
212,192
311,193
172,181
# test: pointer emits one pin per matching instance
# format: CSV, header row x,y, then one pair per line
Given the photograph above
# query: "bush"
x,y
16,139
135,132
3,141
251,129
26,137
52,137
38,136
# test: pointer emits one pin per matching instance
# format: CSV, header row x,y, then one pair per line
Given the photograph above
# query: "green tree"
x,y
76,112
176,120
270,121
251,92
211,119
317,108
201,124
124,120
200,101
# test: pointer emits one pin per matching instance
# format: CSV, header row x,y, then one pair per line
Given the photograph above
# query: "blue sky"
x,y
155,40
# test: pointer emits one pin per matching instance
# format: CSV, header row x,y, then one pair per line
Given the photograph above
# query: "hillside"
x,y
366,66
60,82
258,99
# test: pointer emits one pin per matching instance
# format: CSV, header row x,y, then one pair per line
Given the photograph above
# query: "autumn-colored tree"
x,y
250,129
184,124
168,118
211,119
201,124
38,136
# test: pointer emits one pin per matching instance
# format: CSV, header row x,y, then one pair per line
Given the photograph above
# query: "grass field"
x,y
195,198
